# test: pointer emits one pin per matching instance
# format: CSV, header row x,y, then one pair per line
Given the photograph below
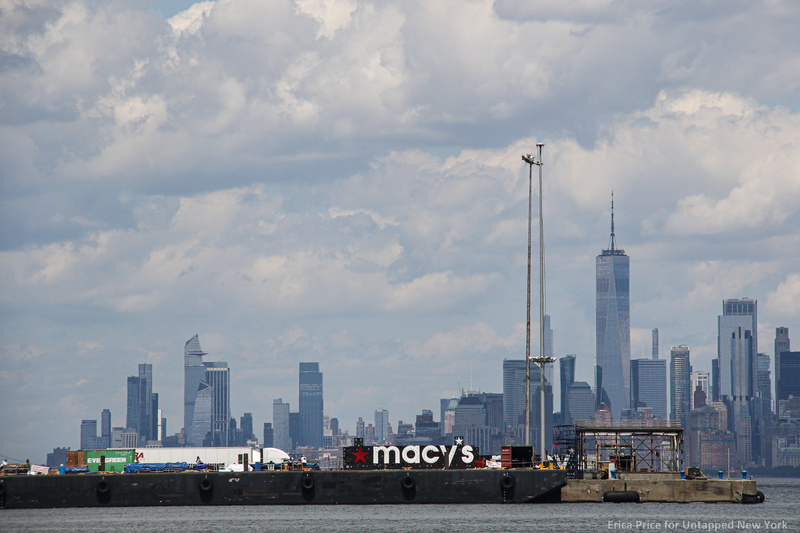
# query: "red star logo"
x,y
360,455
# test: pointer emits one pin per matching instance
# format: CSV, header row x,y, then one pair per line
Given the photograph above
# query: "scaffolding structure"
x,y
629,448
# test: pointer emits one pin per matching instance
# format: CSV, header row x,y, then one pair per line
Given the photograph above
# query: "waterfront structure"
x,y
679,384
613,330
649,386
699,379
280,425
381,425
310,405
566,367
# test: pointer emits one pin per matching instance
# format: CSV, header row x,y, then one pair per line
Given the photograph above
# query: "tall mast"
x,y
613,244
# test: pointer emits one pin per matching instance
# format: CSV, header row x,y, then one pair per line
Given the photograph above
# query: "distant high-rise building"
x,y
737,347
88,433
715,380
426,428
789,384
514,401
269,436
246,423
702,379
280,426
311,405
105,427
649,385
360,428
140,403
381,425
613,325
782,344
294,428
218,376
566,367
155,417
655,343
581,401
764,385
680,383
494,411
194,384
206,398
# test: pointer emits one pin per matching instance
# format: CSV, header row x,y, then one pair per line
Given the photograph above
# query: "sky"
x,y
342,182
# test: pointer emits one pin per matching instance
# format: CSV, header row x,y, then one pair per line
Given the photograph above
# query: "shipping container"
x,y
113,460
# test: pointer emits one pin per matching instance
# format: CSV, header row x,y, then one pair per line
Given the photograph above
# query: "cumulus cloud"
x,y
342,182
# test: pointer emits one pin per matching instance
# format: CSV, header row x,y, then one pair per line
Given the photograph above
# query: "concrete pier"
x,y
662,490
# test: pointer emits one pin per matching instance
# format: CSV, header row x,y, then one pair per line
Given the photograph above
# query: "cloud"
x,y
342,182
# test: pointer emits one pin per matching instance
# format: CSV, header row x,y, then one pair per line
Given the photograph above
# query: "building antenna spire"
x,y
613,243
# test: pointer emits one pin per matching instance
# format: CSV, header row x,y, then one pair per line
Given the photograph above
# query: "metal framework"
x,y
630,448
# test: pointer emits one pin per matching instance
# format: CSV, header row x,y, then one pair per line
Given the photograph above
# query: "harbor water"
x,y
780,512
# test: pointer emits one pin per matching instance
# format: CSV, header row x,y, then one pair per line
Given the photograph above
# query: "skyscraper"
x,y
702,379
737,346
247,428
381,425
782,344
280,426
764,386
566,367
218,377
789,384
514,400
88,434
655,343
679,383
311,405
140,403
105,427
194,376
649,385
206,398
581,401
612,379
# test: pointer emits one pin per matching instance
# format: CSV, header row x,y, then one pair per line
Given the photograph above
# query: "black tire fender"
x,y
103,487
206,484
307,483
507,482
408,483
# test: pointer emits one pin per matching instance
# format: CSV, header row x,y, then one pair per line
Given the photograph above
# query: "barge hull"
x,y
282,488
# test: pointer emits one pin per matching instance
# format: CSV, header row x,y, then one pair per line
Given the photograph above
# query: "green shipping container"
x,y
109,460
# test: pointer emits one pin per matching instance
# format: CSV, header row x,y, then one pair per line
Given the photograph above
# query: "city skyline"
x,y
313,184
